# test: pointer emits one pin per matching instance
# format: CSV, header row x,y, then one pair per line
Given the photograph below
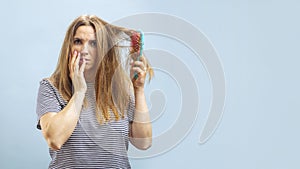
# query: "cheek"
x,y
93,52
77,48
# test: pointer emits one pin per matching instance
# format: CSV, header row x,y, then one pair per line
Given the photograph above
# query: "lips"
x,y
81,59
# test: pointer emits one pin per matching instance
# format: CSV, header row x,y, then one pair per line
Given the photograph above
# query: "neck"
x,y
89,76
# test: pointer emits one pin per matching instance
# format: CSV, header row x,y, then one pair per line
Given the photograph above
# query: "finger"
x,y
132,73
139,64
69,61
82,67
139,71
134,55
143,59
76,63
72,60
74,55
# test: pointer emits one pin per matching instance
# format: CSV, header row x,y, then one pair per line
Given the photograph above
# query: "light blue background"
x,y
258,44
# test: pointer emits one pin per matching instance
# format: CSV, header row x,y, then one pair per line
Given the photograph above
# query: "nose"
x,y
84,50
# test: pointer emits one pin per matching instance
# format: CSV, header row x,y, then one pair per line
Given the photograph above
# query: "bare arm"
x,y
58,127
140,128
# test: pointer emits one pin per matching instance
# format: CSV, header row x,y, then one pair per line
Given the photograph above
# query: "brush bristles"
x,y
136,41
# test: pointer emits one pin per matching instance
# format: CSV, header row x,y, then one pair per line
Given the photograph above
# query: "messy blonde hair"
x,y
112,84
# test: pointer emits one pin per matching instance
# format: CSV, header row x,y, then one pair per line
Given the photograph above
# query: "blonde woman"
x,y
89,109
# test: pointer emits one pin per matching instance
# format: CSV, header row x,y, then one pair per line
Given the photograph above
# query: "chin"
x,y
88,68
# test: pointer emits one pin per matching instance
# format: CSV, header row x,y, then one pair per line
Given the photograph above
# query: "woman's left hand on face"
x,y
141,70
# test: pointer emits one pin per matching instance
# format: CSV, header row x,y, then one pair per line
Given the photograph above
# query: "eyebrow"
x,y
82,39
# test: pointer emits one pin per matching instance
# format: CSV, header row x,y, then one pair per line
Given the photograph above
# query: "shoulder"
x,y
46,87
48,91
47,82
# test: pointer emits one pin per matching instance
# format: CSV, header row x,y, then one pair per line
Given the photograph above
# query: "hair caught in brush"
x,y
133,41
125,45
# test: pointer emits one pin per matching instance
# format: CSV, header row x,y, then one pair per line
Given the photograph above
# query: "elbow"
x,y
146,143
145,146
141,135
54,142
142,143
54,145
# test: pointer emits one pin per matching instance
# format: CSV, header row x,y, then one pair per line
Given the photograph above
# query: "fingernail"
x,y
75,52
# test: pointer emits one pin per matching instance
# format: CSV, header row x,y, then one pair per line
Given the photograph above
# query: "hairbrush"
x,y
137,44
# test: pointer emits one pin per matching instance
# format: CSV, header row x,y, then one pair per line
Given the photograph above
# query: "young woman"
x,y
89,108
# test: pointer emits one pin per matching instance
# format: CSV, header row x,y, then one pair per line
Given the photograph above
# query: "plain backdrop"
x,y
258,45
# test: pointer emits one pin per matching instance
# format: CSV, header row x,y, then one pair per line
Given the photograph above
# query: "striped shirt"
x,y
91,145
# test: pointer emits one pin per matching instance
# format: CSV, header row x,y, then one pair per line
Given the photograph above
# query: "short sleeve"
x,y
47,100
131,108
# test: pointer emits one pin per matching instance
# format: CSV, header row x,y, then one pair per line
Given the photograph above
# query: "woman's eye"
x,y
93,43
77,42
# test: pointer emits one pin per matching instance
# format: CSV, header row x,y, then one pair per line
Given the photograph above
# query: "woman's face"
x,y
85,43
